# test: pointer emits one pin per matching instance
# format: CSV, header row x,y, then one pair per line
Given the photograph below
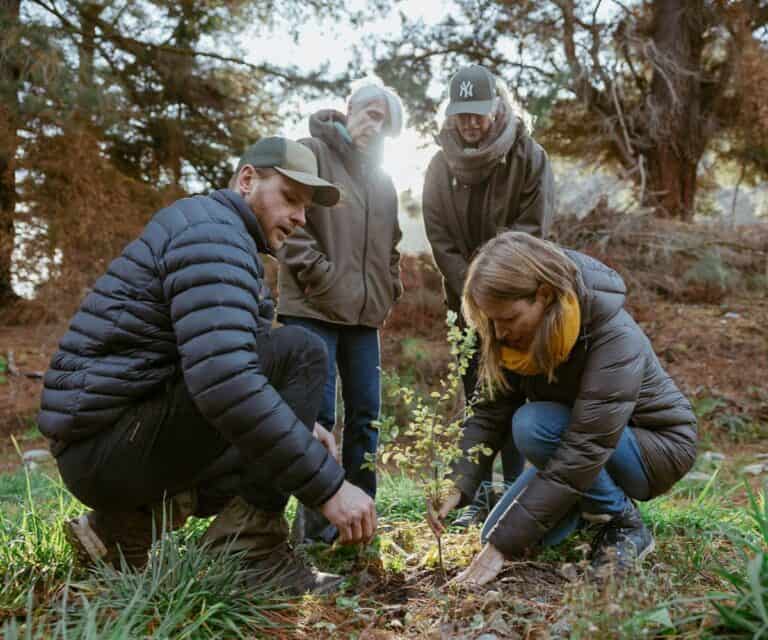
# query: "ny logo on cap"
x,y
466,90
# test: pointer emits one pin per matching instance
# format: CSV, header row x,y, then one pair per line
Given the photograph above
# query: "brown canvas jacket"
x,y
344,266
612,378
519,195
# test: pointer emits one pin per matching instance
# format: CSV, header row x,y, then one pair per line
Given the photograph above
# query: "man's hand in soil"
x,y
485,566
436,517
326,439
353,512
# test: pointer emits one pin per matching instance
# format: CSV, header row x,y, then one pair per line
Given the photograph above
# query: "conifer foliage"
x,y
137,99
648,87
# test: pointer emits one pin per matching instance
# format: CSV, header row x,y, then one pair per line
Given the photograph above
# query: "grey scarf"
x,y
473,166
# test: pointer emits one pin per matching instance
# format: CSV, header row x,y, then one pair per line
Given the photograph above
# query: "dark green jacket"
x,y
612,378
519,195
343,267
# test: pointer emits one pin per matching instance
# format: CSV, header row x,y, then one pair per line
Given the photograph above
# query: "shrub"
x,y
708,279
745,608
428,445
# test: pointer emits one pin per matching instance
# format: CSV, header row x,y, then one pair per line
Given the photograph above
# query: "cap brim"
x,y
478,107
324,193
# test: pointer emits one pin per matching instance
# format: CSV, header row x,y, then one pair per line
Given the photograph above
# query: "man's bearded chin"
x,y
375,148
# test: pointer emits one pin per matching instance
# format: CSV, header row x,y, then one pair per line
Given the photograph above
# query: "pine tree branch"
x,y
594,99
134,46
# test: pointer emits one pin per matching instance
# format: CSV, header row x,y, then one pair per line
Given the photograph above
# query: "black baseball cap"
x,y
294,161
472,90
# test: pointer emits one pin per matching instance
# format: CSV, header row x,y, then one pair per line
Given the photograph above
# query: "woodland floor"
x,y
717,353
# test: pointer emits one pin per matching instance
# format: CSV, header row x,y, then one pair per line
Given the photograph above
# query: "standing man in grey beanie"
x,y
340,275
489,175
172,389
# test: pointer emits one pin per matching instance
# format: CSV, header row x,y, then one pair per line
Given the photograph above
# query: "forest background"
x,y
148,100
655,114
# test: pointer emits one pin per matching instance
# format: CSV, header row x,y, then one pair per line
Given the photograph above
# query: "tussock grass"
x,y
34,555
694,510
709,575
743,607
400,498
184,592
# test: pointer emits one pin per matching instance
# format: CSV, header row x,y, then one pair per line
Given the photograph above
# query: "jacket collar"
x,y
330,126
602,291
235,202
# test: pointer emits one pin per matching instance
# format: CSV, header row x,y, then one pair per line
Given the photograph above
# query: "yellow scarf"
x,y
561,341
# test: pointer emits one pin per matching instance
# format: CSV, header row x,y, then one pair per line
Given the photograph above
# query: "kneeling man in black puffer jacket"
x,y
171,389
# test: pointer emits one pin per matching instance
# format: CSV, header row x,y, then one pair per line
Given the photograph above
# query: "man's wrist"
x,y
330,494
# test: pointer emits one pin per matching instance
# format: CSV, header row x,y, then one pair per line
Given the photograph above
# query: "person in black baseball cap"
x,y
474,102
488,175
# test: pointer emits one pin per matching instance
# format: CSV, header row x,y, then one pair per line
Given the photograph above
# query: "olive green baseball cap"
x,y
294,161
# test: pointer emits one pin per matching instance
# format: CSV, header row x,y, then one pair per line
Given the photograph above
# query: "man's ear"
x,y
245,179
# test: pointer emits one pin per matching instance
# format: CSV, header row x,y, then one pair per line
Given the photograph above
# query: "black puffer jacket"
x,y
187,295
611,378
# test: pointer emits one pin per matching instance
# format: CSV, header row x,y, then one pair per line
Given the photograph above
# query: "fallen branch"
x,y
13,370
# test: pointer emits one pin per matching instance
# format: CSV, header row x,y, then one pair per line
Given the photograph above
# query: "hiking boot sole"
x,y
326,586
467,520
284,580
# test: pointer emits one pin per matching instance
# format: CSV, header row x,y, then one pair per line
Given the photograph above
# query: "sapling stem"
x,y
440,558
435,502
433,434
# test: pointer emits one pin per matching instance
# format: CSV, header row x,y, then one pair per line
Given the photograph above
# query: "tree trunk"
x,y
675,108
89,13
672,183
9,117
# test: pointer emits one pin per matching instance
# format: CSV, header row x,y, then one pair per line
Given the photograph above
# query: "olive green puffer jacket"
x,y
344,266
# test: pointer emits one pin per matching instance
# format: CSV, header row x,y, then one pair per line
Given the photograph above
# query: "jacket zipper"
x,y
365,255
365,264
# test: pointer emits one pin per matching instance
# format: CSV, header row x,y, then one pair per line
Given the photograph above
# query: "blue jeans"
x,y
537,428
355,351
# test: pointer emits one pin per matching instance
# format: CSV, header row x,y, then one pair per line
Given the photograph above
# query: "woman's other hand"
x,y
484,567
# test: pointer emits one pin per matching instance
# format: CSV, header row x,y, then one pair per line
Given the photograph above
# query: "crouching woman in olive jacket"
x,y
568,370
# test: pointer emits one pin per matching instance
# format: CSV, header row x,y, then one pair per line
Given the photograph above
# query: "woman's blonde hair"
x,y
512,266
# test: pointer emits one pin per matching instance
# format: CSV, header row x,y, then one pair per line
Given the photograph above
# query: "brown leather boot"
x,y
106,535
262,537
